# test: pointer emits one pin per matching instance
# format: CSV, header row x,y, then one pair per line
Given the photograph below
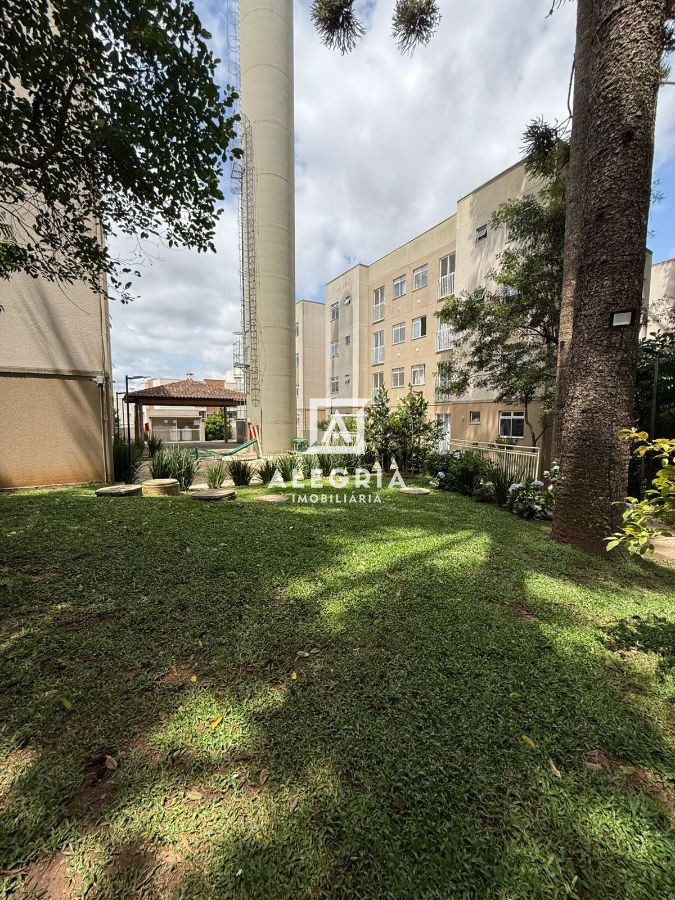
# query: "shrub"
x,y
529,499
484,492
266,470
214,427
216,474
325,462
240,471
436,462
122,471
160,464
501,479
155,444
465,472
285,464
654,516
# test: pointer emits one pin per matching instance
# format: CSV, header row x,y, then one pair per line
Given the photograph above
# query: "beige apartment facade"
x,y
381,324
56,419
310,354
661,310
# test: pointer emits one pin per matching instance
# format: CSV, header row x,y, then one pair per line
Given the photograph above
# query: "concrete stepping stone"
x,y
273,498
415,490
214,494
161,487
119,490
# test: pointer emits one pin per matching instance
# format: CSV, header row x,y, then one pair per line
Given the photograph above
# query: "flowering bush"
x,y
484,492
655,515
529,499
462,472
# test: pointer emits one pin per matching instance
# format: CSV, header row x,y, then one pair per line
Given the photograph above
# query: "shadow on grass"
x,y
394,683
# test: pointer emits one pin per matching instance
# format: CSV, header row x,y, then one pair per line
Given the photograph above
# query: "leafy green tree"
x,y
379,432
506,339
214,427
414,434
111,122
663,345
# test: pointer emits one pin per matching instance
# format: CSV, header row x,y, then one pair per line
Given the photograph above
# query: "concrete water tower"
x,y
268,217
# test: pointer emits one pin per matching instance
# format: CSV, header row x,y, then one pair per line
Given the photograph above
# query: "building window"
x,y
420,277
348,379
378,304
348,339
481,233
399,286
297,360
417,373
474,417
347,300
479,294
378,381
446,276
378,347
334,352
297,329
297,391
419,327
334,384
511,424
398,377
334,311
398,333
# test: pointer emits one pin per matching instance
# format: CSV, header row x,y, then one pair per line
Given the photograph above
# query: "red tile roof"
x,y
187,392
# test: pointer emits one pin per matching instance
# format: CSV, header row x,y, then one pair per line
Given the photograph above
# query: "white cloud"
x,y
385,146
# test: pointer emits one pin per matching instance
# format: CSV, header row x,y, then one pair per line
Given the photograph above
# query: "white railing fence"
x,y
444,337
519,462
172,435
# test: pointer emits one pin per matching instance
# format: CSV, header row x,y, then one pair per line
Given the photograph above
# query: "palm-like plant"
x,y
414,22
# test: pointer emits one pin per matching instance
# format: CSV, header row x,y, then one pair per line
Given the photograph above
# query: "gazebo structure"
x,y
187,392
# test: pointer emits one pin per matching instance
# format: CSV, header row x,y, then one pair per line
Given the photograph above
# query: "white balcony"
x,y
446,285
378,355
444,337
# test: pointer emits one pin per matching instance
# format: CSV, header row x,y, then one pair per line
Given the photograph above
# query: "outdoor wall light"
x,y
622,319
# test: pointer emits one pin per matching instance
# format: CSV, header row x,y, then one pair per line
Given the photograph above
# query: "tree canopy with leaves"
x,y
110,115
413,22
505,338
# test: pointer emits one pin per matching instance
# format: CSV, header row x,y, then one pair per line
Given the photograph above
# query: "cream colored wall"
x,y
351,321
661,313
310,346
50,432
51,335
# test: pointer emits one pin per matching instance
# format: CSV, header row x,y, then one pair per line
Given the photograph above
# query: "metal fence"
x,y
519,462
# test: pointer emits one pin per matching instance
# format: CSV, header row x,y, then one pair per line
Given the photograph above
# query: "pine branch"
x,y
415,22
338,25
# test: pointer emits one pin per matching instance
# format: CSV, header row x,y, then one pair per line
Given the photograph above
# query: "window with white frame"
x,y
417,373
348,379
334,351
420,277
378,304
378,381
334,311
511,424
297,360
481,233
446,276
348,339
398,377
334,384
474,417
399,286
419,327
398,333
297,329
378,347
297,391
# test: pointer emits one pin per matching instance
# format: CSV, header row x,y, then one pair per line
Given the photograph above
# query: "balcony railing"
x,y
446,285
378,312
378,355
443,339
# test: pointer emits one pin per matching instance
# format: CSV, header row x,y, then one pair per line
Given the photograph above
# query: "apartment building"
x,y
310,354
381,326
661,309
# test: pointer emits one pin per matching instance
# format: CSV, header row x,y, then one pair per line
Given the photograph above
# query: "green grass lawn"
x,y
423,698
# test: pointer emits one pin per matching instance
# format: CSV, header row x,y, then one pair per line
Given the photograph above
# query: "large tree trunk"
x,y
616,83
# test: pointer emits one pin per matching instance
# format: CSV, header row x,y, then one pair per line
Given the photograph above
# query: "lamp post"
x,y
129,378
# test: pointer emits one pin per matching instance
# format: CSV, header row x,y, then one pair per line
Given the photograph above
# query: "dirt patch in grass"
x,y
519,610
48,879
179,676
634,777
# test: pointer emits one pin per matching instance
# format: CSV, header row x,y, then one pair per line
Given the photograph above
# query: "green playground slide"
x,y
217,454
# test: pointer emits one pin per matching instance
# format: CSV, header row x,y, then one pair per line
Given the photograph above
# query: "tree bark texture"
x,y
616,84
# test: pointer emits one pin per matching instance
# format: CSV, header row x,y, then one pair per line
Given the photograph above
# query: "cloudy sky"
x,y
384,147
